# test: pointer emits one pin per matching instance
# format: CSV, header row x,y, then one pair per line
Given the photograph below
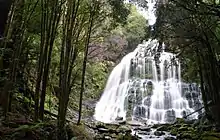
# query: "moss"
x,y
210,138
210,134
182,128
173,132
124,129
78,132
127,136
185,135
180,120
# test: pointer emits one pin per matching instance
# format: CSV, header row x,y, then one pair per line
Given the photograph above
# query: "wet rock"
x,y
124,129
138,98
134,123
184,136
122,122
179,120
107,138
188,95
210,136
173,132
143,128
127,136
190,121
119,119
163,128
103,130
143,133
183,129
156,125
169,138
99,137
170,116
159,133
140,111
195,95
167,100
147,101
190,102
100,125
112,131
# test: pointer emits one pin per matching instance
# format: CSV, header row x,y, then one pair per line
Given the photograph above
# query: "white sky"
x,y
149,14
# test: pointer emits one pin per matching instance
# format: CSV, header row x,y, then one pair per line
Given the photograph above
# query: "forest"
x,y
56,56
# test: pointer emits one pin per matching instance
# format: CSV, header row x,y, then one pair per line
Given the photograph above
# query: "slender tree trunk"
x,y
85,62
41,60
53,24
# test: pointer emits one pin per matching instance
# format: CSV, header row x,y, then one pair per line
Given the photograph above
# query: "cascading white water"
x,y
147,86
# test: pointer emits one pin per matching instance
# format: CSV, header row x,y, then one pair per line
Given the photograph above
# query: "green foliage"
x,y
95,79
120,11
135,29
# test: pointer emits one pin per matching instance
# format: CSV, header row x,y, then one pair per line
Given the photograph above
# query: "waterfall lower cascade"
x,y
146,85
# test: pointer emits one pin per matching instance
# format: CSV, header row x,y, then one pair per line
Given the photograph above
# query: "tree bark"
x,y
4,9
85,61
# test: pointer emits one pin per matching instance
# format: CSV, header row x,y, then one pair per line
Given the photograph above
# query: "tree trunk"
x,y
4,9
85,62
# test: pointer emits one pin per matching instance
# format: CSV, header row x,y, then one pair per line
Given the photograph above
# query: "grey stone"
x,y
170,116
147,101
159,133
140,111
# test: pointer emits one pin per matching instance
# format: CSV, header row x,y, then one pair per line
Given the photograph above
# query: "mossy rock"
x,y
176,126
164,128
169,138
100,125
210,138
184,136
127,136
188,135
156,125
174,132
214,135
182,128
179,121
124,129
78,132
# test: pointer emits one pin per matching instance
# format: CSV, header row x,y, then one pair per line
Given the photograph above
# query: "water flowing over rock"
x,y
147,85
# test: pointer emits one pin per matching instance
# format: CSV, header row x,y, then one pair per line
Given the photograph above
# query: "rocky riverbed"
x,y
179,130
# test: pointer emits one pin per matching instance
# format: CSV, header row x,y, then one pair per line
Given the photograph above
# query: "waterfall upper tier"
x,y
147,85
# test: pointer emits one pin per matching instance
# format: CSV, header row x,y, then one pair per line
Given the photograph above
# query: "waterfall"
x,y
147,85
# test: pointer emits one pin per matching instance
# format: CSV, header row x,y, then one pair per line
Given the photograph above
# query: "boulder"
x,y
143,133
119,118
124,129
169,138
134,123
159,133
103,130
143,128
